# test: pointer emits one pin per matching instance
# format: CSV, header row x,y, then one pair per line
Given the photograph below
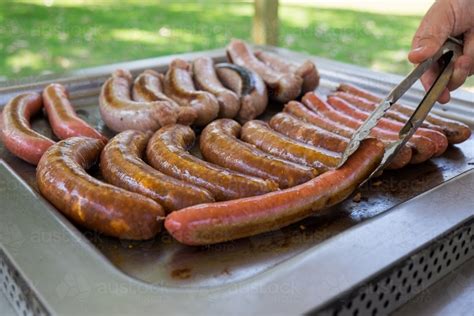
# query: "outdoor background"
x,y
50,36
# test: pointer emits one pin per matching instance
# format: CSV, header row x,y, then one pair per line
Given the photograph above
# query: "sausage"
x,y
258,133
303,115
62,116
440,141
283,87
223,221
423,147
167,152
306,70
148,87
178,85
219,144
15,129
205,78
121,113
121,164
370,106
248,85
455,131
91,203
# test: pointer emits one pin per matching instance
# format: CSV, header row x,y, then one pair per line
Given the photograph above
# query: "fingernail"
x,y
417,49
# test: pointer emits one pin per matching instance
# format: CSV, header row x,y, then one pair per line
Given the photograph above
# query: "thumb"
x,y
433,31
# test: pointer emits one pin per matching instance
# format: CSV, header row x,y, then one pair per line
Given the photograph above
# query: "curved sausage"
x,y
218,222
439,140
219,144
249,87
62,116
306,70
121,113
284,87
455,131
179,86
15,129
121,164
148,87
206,79
258,133
423,147
311,119
89,202
167,152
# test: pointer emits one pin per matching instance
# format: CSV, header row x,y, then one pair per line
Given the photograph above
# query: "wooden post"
x,y
265,22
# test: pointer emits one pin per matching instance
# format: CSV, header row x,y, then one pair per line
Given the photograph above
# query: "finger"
x,y
469,48
427,81
433,31
462,69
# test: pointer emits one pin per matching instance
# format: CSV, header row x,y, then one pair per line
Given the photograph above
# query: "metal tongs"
x,y
446,56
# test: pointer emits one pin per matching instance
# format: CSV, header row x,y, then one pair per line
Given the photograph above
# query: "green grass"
x,y
36,39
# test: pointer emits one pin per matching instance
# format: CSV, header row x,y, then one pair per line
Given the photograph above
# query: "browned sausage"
x,y
178,85
167,152
261,135
121,113
302,113
62,117
248,85
15,130
148,87
89,202
223,221
283,87
206,79
219,144
121,164
455,131
306,70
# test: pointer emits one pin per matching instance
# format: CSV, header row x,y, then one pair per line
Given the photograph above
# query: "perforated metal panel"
x,y
20,296
392,289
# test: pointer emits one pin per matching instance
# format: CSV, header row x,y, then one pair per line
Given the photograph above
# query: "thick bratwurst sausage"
x,y
121,113
283,86
179,86
89,202
248,85
218,222
219,144
148,87
15,130
205,78
121,164
167,152
62,116
258,133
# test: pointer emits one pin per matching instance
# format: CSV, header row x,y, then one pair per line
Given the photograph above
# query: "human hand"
x,y
445,18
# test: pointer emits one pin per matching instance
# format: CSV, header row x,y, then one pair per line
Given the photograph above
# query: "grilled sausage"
x,y
439,140
283,87
423,148
307,70
258,133
205,78
121,164
89,202
249,87
300,112
15,130
223,221
121,113
455,131
62,117
219,144
148,87
167,152
179,86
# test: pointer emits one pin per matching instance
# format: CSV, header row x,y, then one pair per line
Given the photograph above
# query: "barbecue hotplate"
x,y
30,223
